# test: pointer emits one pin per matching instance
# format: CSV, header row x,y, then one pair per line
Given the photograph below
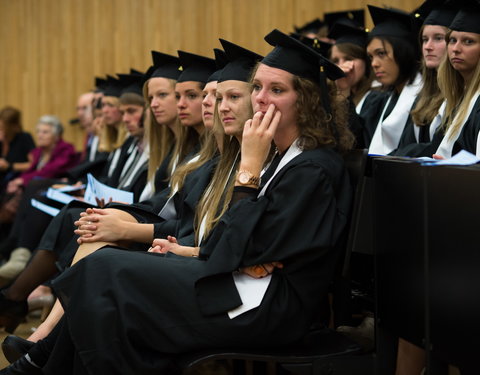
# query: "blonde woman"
x,y
459,81
193,304
427,115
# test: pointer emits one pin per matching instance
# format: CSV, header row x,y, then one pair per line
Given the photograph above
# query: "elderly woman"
x,y
51,158
163,306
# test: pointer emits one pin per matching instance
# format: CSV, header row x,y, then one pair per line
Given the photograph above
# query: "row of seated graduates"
x,y
384,97
423,126
114,153
169,143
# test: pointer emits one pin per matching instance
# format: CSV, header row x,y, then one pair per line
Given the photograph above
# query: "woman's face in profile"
x,y
275,86
45,136
383,62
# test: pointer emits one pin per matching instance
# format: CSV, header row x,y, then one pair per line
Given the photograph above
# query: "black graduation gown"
x,y
467,140
370,115
130,313
409,145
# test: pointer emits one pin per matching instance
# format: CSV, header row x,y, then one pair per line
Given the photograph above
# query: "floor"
x,y
23,330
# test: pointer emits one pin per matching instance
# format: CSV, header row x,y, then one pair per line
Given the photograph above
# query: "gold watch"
x,y
247,178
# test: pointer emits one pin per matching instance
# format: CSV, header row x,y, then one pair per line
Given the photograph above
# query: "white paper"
x,y
70,188
45,208
461,158
95,189
58,196
251,292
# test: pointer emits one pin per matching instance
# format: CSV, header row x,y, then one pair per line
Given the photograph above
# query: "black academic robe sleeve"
x,y
467,140
298,221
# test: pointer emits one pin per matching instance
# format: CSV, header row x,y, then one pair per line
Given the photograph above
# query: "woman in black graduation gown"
x,y
459,80
394,53
427,115
131,313
58,244
349,53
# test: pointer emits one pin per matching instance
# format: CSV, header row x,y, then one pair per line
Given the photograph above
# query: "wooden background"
x,y
50,50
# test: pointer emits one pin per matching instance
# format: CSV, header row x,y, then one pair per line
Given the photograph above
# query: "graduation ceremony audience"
x,y
242,201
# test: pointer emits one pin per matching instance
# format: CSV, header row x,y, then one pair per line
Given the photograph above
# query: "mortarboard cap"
x,y
310,27
318,45
220,61
132,83
342,33
113,87
164,66
295,57
436,12
391,22
240,62
100,84
467,18
353,18
195,67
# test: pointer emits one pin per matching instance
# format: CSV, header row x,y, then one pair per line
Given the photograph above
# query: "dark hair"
x,y
357,52
406,54
12,121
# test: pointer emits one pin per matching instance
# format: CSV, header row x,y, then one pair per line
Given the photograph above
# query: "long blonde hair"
x,y
457,92
208,151
430,98
160,137
216,198
112,137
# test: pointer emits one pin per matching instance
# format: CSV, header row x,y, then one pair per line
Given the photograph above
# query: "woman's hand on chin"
x,y
257,139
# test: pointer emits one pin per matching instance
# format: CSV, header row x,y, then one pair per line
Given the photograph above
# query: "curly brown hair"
x,y
317,128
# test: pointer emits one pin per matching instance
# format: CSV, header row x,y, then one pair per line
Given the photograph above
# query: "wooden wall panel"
x,y
52,49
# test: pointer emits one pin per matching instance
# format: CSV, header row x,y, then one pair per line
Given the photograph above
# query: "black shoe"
x,y
15,347
12,313
21,367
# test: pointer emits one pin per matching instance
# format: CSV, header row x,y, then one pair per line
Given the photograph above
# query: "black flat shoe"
x,y
15,347
12,313
21,367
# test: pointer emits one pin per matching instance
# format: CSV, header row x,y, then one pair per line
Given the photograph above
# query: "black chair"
x,y
323,351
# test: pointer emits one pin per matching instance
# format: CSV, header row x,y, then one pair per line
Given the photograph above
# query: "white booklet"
x,y
95,189
45,208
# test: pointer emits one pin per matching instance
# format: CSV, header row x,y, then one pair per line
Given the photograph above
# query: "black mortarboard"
x,y
391,22
195,67
310,27
113,87
164,66
220,61
240,62
342,33
295,57
467,18
436,12
318,45
132,83
353,18
100,84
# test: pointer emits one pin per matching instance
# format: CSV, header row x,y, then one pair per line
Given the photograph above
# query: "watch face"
x,y
243,178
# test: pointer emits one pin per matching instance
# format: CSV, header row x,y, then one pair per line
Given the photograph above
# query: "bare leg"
x,y
57,311
410,359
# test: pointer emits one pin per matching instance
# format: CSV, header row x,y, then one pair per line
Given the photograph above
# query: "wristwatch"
x,y
247,178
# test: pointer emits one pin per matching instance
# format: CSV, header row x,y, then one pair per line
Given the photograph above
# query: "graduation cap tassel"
x,y
326,101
